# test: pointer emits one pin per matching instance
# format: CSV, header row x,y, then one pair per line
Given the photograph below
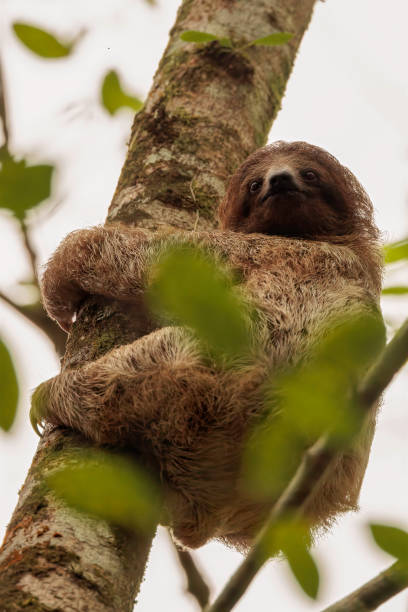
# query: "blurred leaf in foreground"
x,y
318,397
23,187
189,286
315,398
113,96
8,388
110,487
271,457
397,290
42,43
396,251
293,539
392,540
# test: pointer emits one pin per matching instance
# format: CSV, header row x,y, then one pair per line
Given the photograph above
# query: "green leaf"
x,y
398,290
113,96
40,42
22,187
110,487
4,154
8,388
304,569
395,251
270,459
189,287
318,396
292,537
392,540
278,38
197,37
310,400
204,37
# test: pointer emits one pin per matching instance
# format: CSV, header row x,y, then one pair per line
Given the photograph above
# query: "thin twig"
x,y
380,375
374,592
196,221
10,302
196,584
3,108
192,191
315,462
30,251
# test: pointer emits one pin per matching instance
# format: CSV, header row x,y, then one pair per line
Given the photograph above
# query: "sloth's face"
x,y
296,189
290,197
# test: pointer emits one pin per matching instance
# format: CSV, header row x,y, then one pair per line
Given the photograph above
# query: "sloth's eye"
x,y
310,176
254,186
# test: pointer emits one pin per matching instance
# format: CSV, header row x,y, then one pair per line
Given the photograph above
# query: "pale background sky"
x,y
348,93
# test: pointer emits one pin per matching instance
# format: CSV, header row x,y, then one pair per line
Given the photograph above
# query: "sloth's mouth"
x,y
273,193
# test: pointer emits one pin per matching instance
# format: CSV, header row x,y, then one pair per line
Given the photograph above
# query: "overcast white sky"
x,y
347,93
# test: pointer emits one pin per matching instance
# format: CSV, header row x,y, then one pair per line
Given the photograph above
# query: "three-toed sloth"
x,y
298,227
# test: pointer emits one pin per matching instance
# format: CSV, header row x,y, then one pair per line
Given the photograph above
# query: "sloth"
x,y
298,228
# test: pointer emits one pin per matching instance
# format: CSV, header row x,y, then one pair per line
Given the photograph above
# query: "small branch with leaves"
x,y
314,463
32,255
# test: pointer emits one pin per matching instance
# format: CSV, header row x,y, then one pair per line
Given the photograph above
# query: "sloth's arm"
x,y
113,262
108,261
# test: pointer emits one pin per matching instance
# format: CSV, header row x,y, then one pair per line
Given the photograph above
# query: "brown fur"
x,y
193,416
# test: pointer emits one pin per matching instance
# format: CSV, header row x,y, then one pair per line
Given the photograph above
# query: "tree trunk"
x,y
209,107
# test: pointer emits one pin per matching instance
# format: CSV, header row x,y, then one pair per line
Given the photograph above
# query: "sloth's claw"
x,y
39,406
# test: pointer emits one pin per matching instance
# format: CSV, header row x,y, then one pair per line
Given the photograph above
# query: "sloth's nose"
x,y
282,182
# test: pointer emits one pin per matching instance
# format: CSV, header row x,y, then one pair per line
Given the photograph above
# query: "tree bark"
x,y
209,107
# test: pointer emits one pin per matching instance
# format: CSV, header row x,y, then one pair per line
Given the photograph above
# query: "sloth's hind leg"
x,y
113,398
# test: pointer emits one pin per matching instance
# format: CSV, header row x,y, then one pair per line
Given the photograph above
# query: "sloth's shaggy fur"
x,y
193,416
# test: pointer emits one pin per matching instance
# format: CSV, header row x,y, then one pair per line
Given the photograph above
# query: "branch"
x,y
394,579
3,108
380,375
316,461
36,314
75,554
196,584
375,592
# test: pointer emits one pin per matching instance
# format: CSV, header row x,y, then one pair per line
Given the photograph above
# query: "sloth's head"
x,y
295,189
